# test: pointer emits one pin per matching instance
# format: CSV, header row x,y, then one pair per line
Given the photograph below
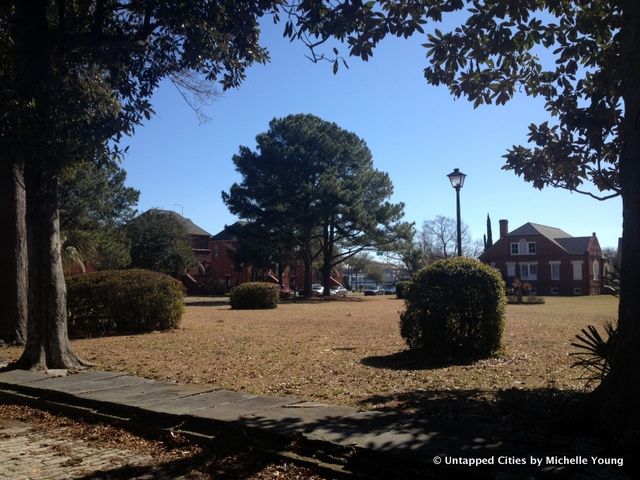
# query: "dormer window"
x,y
515,249
531,248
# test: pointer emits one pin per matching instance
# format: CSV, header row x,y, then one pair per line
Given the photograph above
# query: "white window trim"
x,y
517,252
574,264
555,291
528,277
535,248
511,269
577,291
595,266
551,265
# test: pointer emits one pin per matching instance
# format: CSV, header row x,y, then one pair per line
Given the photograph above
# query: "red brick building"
x,y
217,268
551,260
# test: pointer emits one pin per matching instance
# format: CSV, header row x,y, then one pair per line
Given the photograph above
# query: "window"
x,y
555,270
533,291
555,291
531,248
528,271
515,249
511,269
577,291
577,269
596,270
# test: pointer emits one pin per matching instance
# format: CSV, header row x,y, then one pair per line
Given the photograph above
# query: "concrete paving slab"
x,y
232,411
78,386
21,377
68,382
193,403
299,417
137,395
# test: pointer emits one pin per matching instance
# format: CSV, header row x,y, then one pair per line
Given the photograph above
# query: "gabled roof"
x,y
571,245
225,234
537,229
574,245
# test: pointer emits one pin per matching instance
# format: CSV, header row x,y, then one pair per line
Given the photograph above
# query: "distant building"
x,y
216,267
548,258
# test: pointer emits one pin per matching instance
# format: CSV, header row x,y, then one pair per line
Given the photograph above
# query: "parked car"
x,y
369,291
316,290
390,290
338,291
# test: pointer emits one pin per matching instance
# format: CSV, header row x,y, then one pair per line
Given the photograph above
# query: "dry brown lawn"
x,y
347,352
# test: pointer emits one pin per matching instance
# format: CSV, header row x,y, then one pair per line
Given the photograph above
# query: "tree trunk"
x,y
621,389
47,340
327,256
307,261
47,343
13,254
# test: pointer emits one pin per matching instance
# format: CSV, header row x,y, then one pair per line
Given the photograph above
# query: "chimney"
x,y
504,228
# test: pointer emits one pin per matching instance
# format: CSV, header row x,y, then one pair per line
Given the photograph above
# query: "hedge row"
x,y
123,301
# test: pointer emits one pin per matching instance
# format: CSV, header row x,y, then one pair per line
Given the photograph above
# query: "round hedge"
x,y
454,309
253,295
123,301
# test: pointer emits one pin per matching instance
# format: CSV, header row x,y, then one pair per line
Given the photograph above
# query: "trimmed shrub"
x,y
255,295
454,309
123,301
402,287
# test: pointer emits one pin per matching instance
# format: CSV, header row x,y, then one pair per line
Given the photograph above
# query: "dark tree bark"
x,y
327,257
47,343
621,389
13,254
307,261
47,339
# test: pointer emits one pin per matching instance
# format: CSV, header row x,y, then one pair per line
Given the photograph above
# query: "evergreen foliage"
x,y
313,185
454,309
123,301
255,295
159,241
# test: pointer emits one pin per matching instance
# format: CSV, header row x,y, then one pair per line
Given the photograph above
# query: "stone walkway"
x,y
204,409
27,454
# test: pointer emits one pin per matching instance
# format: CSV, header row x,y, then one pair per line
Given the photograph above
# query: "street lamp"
x,y
457,181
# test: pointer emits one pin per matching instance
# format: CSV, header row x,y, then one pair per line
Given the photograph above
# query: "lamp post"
x,y
457,181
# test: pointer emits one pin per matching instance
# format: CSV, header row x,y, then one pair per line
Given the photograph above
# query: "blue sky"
x,y
417,133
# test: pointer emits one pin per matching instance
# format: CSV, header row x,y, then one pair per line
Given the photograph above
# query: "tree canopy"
x,y
315,183
160,242
95,205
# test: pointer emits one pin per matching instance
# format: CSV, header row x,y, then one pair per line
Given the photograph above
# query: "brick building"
x,y
217,268
548,258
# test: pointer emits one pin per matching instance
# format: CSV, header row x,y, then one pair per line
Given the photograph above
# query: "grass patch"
x,y
347,353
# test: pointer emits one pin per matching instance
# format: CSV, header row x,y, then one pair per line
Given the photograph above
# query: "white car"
x,y
338,291
317,289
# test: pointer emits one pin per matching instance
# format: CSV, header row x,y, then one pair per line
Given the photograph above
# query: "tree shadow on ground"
x,y
412,360
509,411
210,463
543,423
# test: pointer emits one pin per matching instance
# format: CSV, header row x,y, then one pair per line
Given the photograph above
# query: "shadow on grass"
x,y
209,464
546,411
411,360
418,425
